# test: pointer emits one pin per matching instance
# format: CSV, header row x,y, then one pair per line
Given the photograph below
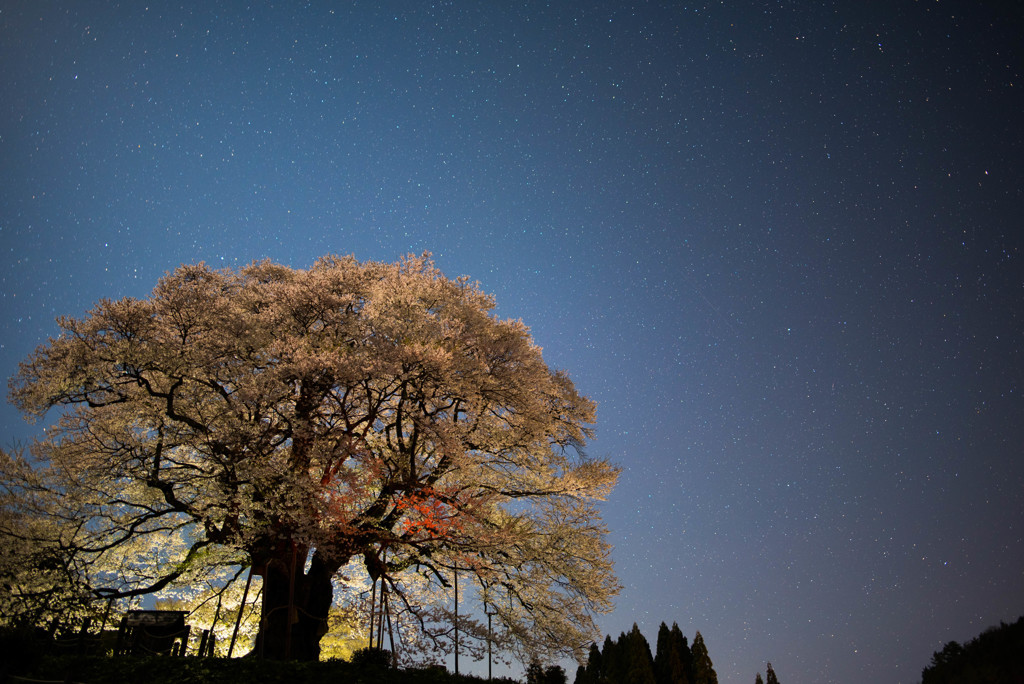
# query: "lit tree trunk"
x,y
295,604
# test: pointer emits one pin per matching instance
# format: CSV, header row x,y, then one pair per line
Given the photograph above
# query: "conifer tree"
x,y
671,657
758,680
595,666
685,655
770,675
703,672
661,654
641,664
996,653
628,660
612,658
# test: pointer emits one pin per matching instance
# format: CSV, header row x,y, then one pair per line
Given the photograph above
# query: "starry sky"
x,y
779,243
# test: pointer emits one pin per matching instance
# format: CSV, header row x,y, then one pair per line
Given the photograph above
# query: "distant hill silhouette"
x,y
996,656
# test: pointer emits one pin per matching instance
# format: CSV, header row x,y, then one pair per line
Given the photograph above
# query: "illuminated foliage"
x,y
296,421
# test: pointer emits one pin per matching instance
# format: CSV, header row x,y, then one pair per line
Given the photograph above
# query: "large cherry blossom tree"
x,y
295,421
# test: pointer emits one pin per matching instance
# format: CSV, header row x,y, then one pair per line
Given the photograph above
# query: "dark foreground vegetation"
x,y
34,655
25,656
996,656
164,670
628,660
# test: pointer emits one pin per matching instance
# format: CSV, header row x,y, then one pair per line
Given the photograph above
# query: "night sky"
x,y
779,243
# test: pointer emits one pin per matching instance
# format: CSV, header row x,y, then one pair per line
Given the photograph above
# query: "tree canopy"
x,y
992,656
703,670
628,660
299,421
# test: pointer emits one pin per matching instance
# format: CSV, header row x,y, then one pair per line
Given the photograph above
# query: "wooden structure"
x,y
153,632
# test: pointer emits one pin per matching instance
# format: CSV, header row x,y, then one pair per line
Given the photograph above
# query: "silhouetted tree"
x,y
591,673
614,665
949,655
638,653
702,670
770,675
554,674
685,654
628,660
538,674
758,680
993,656
671,656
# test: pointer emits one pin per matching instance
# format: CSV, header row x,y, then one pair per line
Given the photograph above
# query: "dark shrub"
x,y
372,657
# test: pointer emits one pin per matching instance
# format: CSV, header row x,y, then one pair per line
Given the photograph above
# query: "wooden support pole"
x,y
241,609
292,618
373,613
456,574
391,635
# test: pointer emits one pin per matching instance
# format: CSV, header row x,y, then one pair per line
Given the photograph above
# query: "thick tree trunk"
x,y
295,604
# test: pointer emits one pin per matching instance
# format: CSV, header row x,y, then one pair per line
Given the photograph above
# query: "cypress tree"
x,y
613,667
594,672
703,670
683,646
595,665
640,668
672,654
758,680
661,655
770,675
661,652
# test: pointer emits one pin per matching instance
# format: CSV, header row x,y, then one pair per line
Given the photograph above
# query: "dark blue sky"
x,y
779,243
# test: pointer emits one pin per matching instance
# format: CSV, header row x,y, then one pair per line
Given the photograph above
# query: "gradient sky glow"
x,y
779,243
